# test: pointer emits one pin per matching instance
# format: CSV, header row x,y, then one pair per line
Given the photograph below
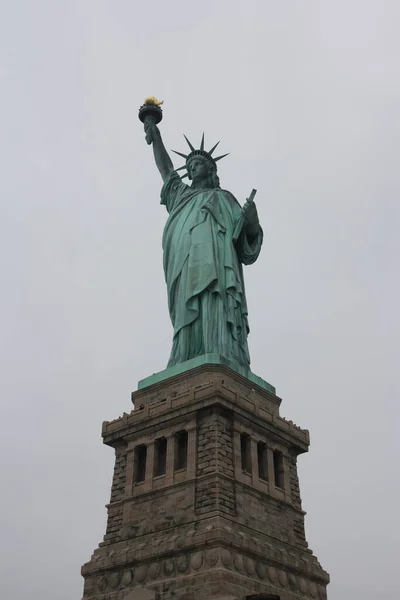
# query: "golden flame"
x,y
153,100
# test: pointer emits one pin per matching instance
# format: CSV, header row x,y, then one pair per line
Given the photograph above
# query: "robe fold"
x,y
205,244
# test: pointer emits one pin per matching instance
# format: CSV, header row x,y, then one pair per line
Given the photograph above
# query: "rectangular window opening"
x,y
278,469
181,450
140,463
262,456
245,450
160,457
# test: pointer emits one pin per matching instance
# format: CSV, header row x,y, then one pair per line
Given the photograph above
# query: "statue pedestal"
x,y
205,499
205,359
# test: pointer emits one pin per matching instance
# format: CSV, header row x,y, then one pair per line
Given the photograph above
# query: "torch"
x,y
150,112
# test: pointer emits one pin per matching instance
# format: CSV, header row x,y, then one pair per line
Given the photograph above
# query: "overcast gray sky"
x,y
305,96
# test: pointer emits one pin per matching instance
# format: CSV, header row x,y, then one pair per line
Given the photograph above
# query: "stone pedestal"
x,y
205,500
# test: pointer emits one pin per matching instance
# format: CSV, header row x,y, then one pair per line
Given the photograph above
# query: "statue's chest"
x,y
210,220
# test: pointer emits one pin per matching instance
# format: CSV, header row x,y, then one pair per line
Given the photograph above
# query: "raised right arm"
x,y
161,156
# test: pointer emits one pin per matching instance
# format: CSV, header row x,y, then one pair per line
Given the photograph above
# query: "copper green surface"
x,y
207,239
207,359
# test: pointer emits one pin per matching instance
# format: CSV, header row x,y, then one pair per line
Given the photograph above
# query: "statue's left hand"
x,y
250,214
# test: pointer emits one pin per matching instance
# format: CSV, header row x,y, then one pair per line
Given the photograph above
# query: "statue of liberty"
x,y
207,238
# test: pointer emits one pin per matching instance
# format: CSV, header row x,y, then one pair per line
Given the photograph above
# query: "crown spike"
x,y
181,168
180,154
219,157
212,149
189,144
202,143
185,175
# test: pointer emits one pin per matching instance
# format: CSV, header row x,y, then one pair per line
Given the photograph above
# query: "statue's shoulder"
x,y
230,196
173,181
174,191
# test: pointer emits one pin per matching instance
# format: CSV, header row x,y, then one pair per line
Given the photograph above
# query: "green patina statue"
x,y
207,238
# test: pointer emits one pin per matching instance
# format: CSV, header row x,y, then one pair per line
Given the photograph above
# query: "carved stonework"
x,y
141,594
202,563
207,529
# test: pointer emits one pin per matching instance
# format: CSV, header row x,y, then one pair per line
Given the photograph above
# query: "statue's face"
x,y
198,168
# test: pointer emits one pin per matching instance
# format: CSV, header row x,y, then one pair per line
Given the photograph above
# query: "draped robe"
x,y
204,246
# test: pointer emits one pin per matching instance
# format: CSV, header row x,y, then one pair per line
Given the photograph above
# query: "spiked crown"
x,y
200,152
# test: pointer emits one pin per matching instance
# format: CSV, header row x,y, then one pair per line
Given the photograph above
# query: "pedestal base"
x,y
205,500
205,359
